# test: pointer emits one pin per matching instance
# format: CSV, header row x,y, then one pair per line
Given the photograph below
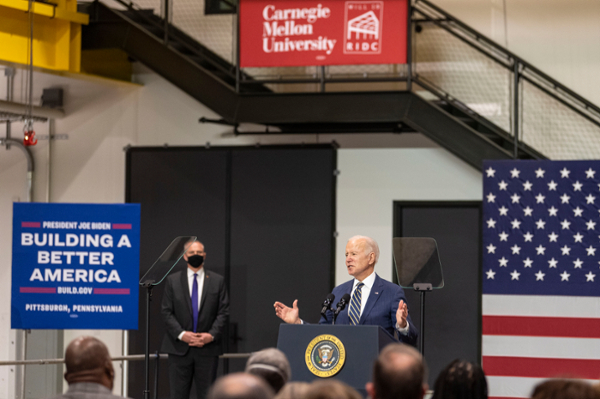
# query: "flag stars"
x,y
565,250
539,173
564,276
490,274
527,262
553,237
578,212
490,172
515,198
552,263
564,173
540,224
503,211
540,250
515,224
564,199
528,236
539,276
553,211
502,185
590,277
578,237
503,236
515,275
578,263
589,174
590,199
491,249
591,251
515,173
528,211
539,199
516,250
591,225
491,223
503,262
552,186
577,186
527,186
565,224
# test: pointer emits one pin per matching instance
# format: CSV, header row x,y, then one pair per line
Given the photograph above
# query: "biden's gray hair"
x,y
370,245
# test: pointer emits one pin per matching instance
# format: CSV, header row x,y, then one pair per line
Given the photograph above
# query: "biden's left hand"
x,y
402,314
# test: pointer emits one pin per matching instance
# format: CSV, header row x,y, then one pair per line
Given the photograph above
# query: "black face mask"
x,y
195,260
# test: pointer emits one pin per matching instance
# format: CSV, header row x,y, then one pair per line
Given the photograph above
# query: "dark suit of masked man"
x,y
195,309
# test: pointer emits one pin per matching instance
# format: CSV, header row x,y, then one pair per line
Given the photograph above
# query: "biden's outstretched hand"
x,y
287,314
402,314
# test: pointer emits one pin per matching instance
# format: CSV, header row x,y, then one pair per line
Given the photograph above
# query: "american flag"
x,y
541,273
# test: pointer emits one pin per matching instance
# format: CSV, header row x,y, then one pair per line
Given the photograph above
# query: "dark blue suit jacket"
x,y
380,309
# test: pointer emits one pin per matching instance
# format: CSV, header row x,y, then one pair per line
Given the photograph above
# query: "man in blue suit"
x,y
374,301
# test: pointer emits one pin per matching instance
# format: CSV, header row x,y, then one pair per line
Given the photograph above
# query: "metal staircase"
x,y
241,98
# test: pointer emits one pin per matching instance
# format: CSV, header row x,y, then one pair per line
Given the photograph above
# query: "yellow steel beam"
x,y
65,10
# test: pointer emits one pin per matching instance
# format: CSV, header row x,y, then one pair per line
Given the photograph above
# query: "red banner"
x,y
327,32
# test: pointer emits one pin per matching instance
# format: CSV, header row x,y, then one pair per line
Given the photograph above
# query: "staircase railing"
x,y
461,66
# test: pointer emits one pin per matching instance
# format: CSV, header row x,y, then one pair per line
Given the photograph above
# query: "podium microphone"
x,y
327,304
340,306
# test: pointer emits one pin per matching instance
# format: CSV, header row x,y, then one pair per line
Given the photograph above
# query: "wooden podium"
x,y
360,346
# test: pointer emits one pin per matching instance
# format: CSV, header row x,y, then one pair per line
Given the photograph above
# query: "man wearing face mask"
x,y
195,309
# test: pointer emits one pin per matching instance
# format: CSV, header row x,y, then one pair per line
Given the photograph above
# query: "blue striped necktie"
x,y
355,302
195,301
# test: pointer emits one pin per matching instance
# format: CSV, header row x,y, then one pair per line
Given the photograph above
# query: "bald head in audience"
x,y
240,386
399,372
87,360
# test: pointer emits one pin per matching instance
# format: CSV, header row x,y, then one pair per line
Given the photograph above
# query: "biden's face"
x,y
359,262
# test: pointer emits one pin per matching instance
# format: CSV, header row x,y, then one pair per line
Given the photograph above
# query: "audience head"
x,y
331,389
272,365
461,380
87,360
564,389
293,390
240,386
399,372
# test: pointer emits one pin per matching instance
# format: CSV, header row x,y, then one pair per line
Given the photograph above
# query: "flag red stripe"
x,y
112,291
38,290
121,226
532,367
572,327
31,224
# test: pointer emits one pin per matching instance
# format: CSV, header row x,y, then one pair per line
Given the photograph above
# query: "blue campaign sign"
x,y
75,266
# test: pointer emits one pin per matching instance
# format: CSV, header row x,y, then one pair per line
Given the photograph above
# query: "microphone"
x,y
341,305
327,303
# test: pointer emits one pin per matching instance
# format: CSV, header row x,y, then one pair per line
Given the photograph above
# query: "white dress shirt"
x,y
200,278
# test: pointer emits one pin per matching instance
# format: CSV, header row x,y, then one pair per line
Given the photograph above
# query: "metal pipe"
x,y
37,112
409,46
125,365
49,154
131,358
238,71
10,89
24,351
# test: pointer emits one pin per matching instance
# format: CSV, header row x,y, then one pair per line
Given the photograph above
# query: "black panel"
x,y
182,192
453,313
281,237
270,210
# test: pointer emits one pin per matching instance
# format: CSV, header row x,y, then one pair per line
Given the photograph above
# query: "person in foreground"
x,y
461,380
565,389
240,386
195,308
399,372
90,373
374,301
272,365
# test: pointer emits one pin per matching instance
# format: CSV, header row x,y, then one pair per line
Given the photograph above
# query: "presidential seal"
x,y
325,355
